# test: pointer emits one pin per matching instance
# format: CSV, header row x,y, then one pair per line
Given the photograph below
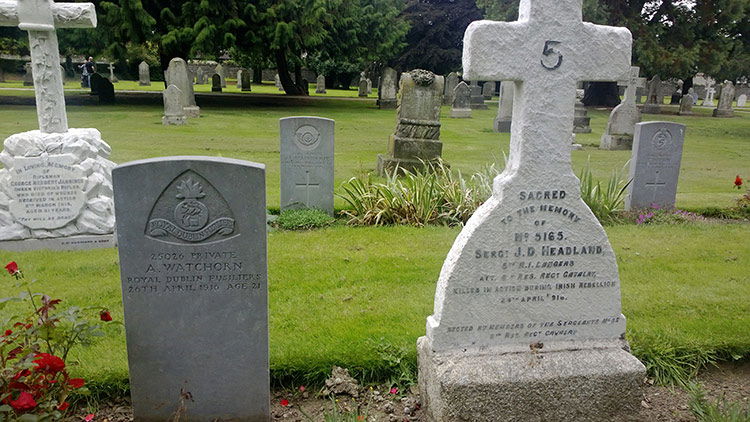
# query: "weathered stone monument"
x,y
178,75
388,89
621,125
28,77
504,108
362,88
477,100
461,107
216,83
742,100
277,82
192,244
527,323
174,106
56,182
686,103
222,73
724,109
246,80
654,98
708,101
112,77
239,79
655,165
416,140
581,119
320,84
144,74
307,163
488,89
451,81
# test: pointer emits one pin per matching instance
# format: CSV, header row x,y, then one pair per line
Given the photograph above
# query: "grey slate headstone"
x,y
320,84
144,75
655,165
451,81
461,107
216,83
307,163
193,266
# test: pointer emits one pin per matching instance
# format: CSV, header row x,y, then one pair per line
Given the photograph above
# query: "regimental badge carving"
x,y
190,210
307,137
662,139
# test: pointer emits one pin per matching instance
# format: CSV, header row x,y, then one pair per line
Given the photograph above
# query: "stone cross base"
x,y
616,142
173,120
723,113
583,385
461,113
651,109
192,111
501,126
387,103
387,164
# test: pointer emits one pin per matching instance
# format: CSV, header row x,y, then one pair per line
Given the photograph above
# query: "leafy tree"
x,y
435,40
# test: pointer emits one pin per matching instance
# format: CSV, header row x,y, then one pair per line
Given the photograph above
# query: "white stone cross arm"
x,y
40,18
546,52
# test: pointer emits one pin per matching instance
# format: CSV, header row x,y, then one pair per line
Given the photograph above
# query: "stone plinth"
x,y
416,140
581,120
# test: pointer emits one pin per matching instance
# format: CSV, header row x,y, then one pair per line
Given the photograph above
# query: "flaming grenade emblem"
x,y
190,214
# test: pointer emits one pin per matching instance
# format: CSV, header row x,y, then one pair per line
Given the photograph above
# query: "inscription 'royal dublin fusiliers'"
x,y
181,212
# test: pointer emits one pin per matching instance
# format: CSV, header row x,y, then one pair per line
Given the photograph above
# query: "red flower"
x,y
89,417
64,406
284,402
394,390
48,363
302,388
105,316
738,181
76,382
25,401
20,374
12,268
8,332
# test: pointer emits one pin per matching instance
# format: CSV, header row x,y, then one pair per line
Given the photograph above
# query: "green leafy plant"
x,y
303,219
603,200
721,410
34,346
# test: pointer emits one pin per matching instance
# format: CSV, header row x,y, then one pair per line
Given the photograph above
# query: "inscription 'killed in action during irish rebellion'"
x,y
192,246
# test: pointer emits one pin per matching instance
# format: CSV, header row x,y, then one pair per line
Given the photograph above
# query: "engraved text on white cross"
x,y
40,18
546,52
306,187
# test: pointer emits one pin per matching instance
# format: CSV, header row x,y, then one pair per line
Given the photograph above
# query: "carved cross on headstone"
x,y
306,186
655,185
546,52
40,18
632,83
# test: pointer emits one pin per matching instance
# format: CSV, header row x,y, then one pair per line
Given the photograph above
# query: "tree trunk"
x,y
687,83
290,88
257,74
604,94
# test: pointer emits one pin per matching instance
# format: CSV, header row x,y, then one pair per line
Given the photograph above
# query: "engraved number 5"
x,y
549,50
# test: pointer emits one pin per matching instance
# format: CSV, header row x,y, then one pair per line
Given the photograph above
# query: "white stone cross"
x,y
546,52
40,18
632,83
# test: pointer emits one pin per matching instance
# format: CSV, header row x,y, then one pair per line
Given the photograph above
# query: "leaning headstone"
x,y
504,108
416,140
177,74
112,77
247,81
307,163
686,103
724,109
28,77
653,97
193,268
477,100
222,73
708,101
103,88
144,74
362,89
320,84
387,90
621,125
451,81
742,100
527,323
461,107
655,165
216,83
174,106
581,119
488,90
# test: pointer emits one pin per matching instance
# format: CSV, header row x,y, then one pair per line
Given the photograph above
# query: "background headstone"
x,y
504,108
655,165
174,106
581,119
112,77
28,77
461,107
307,145
477,100
387,90
178,75
192,245
488,89
216,83
200,76
320,84
222,72
724,109
369,86
144,74
621,124
247,80
686,103
416,140
708,101
653,97
742,100
277,82
451,81
362,89
239,79
103,88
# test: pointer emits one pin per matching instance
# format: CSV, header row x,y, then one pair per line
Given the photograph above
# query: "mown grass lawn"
x,y
342,295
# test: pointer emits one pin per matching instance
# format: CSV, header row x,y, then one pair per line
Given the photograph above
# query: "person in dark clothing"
x,y
87,69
